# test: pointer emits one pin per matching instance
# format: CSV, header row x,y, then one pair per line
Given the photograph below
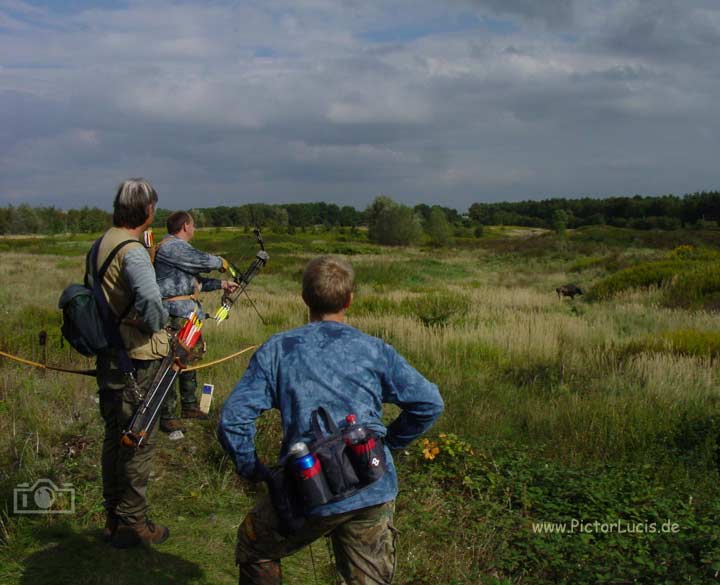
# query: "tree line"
x,y
389,222
668,212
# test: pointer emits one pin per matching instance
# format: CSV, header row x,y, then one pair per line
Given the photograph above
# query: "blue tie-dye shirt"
x,y
334,365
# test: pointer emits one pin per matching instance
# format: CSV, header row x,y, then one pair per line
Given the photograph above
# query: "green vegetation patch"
x,y
679,342
641,276
689,275
535,520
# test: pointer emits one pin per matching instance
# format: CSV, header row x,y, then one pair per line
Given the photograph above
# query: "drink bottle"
x,y
367,455
355,436
310,480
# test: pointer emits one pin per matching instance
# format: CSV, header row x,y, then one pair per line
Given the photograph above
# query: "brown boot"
x,y
170,425
147,532
193,412
111,524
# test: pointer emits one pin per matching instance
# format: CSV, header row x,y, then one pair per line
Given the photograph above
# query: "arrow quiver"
x,y
181,354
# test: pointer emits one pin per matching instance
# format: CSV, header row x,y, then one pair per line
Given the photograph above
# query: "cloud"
x,y
448,103
554,13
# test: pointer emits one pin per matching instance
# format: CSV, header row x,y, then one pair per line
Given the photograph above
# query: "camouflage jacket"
x,y
177,268
333,365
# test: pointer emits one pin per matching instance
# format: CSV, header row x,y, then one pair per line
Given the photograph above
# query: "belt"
x,y
193,297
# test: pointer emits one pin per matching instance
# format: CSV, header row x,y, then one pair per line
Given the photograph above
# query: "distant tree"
x,y
160,221
25,220
199,217
478,231
5,219
438,228
480,213
373,212
559,221
392,224
423,210
349,216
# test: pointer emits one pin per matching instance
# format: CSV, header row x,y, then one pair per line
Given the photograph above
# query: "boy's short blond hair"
x,y
327,284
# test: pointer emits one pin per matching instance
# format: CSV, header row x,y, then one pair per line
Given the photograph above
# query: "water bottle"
x,y
367,454
310,480
355,436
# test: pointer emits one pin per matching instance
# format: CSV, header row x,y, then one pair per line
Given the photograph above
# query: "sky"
x,y
427,101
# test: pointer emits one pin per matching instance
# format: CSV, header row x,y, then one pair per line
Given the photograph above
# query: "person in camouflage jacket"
x,y
178,268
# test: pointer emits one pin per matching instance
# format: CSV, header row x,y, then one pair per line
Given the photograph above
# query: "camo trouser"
x,y
125,470
187,381
363,543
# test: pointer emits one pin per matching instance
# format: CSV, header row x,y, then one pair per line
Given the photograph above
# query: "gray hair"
x,y
131,202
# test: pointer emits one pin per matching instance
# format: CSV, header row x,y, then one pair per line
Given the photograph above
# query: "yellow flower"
x,y
431,451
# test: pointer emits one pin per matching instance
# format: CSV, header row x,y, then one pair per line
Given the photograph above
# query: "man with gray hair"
x,y
326,367
134,300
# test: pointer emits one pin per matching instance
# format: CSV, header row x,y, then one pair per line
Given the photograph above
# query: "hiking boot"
x,y
193,412
170,425
147,532
111,524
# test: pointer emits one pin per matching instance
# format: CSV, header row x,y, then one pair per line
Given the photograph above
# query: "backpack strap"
x,y
109,320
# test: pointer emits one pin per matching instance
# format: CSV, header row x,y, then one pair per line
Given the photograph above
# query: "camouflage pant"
x,y
187,381
363,542
125,470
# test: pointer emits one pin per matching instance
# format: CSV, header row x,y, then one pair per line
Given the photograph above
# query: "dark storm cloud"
x,y
555,13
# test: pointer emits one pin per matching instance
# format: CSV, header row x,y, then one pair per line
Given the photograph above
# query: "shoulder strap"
x,y
109,321
91,260
110,258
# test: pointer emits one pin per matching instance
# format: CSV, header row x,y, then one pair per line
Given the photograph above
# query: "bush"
x,y
438,228
392,224
680,342
641,276
436,309
689,252
696,288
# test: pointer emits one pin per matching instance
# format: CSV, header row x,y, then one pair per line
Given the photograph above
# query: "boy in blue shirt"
x,y
329,364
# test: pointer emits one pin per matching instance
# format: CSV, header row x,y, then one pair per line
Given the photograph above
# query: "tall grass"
x,y
573,383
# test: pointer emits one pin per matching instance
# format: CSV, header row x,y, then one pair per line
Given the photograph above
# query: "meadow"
x,y
578,443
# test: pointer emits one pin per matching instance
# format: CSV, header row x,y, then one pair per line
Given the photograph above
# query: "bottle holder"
x,y
340,471
368,459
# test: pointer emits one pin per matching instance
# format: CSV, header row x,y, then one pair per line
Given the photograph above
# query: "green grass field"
x,y
599,415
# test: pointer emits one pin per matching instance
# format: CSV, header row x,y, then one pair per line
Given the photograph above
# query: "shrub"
x,y
690,252
696,287
641,276
392,224
681,342
438,228
436,309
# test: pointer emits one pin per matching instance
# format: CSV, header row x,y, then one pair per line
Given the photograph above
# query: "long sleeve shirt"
x,y
336,366
177,267
139,274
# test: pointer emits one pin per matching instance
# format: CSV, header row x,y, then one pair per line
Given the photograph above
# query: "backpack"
x,y
89,325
